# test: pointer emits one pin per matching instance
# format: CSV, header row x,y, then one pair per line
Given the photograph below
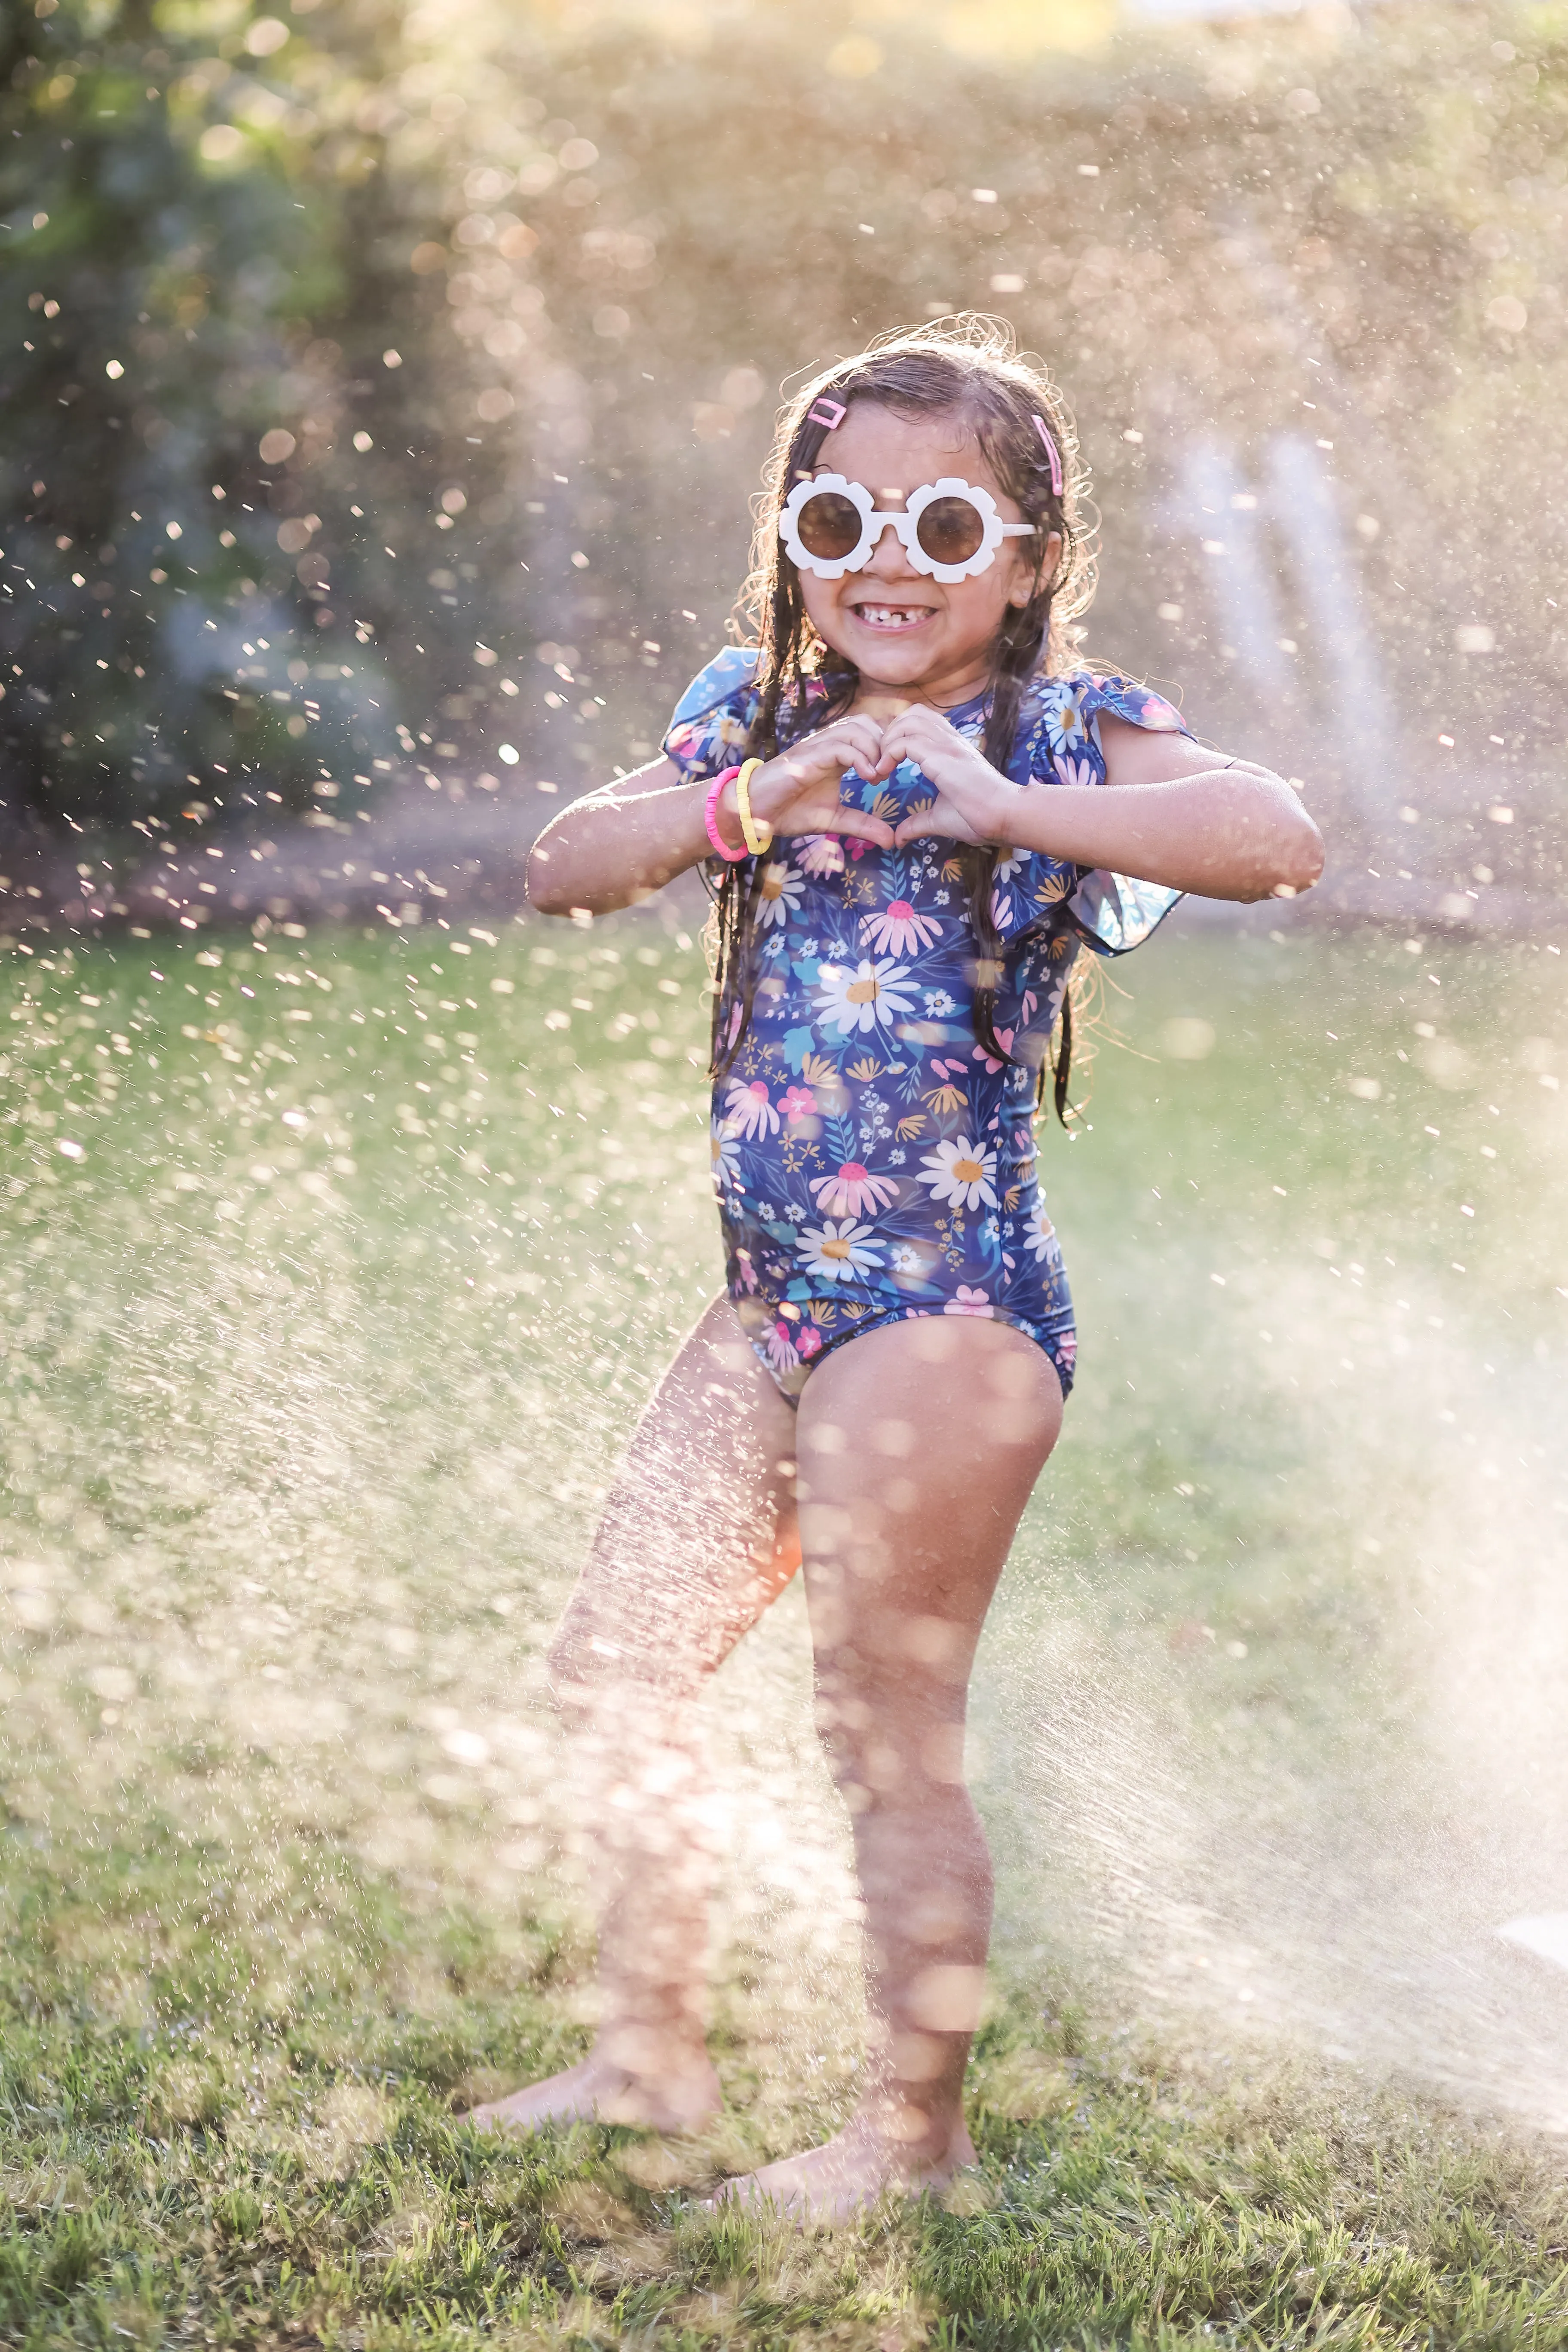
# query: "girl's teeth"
x,y
886,616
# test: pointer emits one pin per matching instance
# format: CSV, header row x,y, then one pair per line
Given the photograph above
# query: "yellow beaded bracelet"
x,y
757,833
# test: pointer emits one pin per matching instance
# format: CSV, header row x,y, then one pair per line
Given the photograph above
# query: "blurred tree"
x,y
214,359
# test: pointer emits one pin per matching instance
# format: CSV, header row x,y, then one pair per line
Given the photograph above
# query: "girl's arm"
x,y
1178,814
1186,817
622,842
627,839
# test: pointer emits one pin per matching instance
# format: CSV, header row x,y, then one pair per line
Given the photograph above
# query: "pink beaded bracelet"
x,y
711,818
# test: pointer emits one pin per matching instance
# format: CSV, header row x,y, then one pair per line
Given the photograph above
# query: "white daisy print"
x,y
748,1110
852,1192
726,1157
1065,727
779,895
899,931
836,1252
960,1173
862,996
1038,1231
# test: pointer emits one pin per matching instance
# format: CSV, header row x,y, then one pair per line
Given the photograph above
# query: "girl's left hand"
x,y
973,801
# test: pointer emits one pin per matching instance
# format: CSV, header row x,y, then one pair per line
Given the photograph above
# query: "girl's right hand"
x,y
798,792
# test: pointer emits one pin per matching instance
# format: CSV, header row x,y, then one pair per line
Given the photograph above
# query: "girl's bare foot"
x,y
599,2091
851,2173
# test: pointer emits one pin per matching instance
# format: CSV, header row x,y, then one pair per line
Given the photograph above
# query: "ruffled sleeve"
x,y
1112,913
708,732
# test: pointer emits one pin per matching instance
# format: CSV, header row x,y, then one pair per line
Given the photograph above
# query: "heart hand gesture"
x,y
973,801
798,791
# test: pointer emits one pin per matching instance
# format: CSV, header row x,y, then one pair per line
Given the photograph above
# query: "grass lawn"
x,y
336,1269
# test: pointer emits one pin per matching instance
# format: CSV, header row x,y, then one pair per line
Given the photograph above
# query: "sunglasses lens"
x,y
830,527
951,531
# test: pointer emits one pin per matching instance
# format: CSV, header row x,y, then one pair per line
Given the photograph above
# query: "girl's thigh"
x,y
698,1534
920,1445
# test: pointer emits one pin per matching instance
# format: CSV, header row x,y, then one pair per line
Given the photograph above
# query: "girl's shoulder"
x,y
1080,696
730,676
1058,741
713,717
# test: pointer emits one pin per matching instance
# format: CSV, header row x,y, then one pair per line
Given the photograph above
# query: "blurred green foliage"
x,y
505,295
205,240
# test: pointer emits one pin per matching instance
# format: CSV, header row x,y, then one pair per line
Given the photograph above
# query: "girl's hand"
x,y
973,801
798,792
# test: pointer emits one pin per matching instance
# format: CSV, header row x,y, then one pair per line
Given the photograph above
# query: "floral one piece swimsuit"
x,y
872,1162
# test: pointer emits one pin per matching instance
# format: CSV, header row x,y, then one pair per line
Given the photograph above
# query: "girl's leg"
x,y
698,1538
919,1444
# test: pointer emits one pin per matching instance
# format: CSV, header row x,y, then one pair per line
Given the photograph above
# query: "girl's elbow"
x,y
546,895
1299,862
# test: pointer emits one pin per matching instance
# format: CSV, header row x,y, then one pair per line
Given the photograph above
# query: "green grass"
x,y
316,1357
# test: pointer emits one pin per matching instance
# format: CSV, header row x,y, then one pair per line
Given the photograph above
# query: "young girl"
x,y
913,811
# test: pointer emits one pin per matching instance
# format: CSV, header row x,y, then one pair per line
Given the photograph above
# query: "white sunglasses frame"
x,y
874,521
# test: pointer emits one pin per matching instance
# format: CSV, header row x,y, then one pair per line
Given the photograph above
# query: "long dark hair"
x,y
968,368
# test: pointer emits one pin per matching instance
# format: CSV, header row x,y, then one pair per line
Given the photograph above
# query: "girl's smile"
x,y
891,619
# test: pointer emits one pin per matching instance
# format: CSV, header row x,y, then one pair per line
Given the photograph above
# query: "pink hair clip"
x,y
1052,452
831,412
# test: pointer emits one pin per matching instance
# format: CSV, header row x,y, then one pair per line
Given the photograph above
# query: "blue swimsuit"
x,y
872,1161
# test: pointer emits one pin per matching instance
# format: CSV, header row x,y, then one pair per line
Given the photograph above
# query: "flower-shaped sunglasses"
x,y
949,529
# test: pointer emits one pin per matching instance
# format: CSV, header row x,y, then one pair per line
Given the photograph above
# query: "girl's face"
x,y
904,630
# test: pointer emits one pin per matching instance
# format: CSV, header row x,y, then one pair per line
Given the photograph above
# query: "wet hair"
x,y
968,368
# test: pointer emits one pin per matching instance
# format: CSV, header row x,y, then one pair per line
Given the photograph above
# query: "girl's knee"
x,y
909,1756
591,1655
836,1739
601,1669
868,1760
